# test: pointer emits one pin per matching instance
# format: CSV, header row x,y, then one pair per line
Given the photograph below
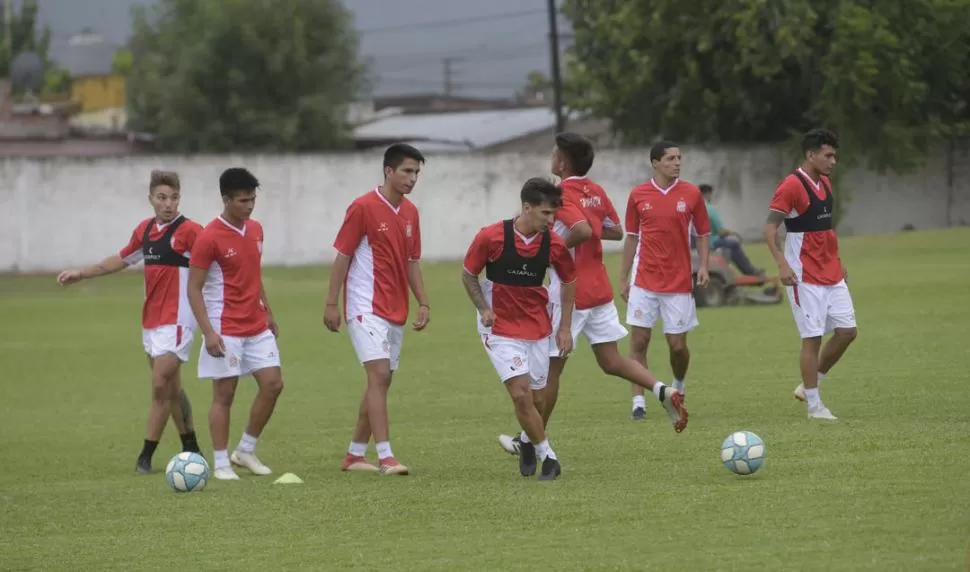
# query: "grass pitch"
x,y
887,487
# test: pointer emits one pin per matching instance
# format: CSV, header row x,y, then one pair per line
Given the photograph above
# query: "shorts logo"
x,y
517,361
638,314
387,346
233,361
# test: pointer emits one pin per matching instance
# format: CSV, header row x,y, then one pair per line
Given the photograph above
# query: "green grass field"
x,y
887,487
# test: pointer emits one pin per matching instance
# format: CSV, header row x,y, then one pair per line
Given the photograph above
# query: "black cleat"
x,y
527,459
550,470
639,414
143,466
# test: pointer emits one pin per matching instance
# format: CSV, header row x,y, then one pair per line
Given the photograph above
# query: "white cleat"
x,y
249,460
821,412
509,443
799,392
225,474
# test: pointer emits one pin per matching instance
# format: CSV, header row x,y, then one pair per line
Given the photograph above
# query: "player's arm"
x,y
632,239
702,226
196,302
109,265
612,232
579,228
265,300
565,267
416,282
349,237
612,229
475,260
775,218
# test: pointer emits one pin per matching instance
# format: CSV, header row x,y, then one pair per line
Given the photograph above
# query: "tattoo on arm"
x,y
474,289
775,217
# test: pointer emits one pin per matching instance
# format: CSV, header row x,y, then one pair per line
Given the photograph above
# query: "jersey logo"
x,y
407,230
645,207
382,227
524,272
681,206
230,253
589,202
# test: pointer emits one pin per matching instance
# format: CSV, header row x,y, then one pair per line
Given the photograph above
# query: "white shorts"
x,y
375,338
599,325
243,357
678,311
818,310
168,340
512,358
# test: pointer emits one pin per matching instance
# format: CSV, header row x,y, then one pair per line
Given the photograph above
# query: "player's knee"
x,y
272,387
847,335
611,364
678,345
638,345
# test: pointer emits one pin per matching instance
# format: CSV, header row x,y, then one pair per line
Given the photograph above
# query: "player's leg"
x,y
181,406
549,395
679,315
159,409
261,359
224,373
808,308
642,312
841,322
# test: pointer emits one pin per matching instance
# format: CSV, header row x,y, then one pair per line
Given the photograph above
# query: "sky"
x,y
493,45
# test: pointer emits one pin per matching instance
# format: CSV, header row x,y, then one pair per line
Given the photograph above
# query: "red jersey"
x,y
165,249
515,292
584,200
381,240
232,257
662,218
813,254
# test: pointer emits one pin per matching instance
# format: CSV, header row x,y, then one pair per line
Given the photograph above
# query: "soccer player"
x,y
378,252
514,321
586,218
810,266
164,243
229,302
659,215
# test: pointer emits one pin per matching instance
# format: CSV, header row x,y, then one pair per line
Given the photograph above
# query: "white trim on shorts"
x,y
171,339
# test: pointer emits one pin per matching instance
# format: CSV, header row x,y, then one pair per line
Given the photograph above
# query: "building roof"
x,y
454,131
86,55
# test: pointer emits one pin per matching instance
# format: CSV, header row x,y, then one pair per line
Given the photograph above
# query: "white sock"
x,y
357,449
819,376
544,450
523,437
384,450
639,402
679,385
813,398
657,389
247,444
221,458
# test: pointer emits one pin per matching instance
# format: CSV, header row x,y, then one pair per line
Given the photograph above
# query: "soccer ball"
x,y
187,472
743,452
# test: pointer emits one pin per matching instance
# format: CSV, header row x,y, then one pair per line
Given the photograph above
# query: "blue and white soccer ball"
x,y
743,452
187,472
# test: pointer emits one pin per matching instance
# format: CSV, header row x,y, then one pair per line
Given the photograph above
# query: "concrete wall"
x,y
62,213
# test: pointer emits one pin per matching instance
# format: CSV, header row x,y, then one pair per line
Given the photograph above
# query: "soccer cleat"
x,y
527,459
821,412
143,466
639,414
249,460
353,463
390,466
799,392
550,470
674,404
225,474
510,444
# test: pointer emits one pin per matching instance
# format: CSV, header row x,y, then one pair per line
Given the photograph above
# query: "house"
x,y
88,58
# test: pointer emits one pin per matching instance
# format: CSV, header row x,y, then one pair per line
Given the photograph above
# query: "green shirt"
x,y
716,225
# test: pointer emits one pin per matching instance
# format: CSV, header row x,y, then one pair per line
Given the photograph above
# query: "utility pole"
x,y
556,72
449,74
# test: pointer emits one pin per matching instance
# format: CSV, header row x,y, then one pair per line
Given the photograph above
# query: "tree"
x,y
892,83
26,35
243,75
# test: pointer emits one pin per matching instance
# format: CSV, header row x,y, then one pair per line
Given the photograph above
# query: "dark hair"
x,y
578,151
397,153
660,148
164,178
705,188
814,139
236,179
537,191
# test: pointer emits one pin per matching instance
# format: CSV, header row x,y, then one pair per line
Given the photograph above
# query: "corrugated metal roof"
x,y
475,129
88,55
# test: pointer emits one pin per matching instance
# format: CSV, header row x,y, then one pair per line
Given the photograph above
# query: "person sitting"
x,y
725,239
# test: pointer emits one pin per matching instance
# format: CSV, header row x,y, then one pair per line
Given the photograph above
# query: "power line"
x,y
449,23
431,83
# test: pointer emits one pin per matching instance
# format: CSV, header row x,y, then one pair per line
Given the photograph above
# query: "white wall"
x,y
62,213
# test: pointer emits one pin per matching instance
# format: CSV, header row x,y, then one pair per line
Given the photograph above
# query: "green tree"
x,y
122,62
892,82
243,75
26,35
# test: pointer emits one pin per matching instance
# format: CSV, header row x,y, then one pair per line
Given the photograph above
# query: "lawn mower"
x,y
729,288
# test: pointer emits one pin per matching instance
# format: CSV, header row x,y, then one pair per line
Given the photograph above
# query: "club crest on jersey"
x,y
646,206
681,206
407,230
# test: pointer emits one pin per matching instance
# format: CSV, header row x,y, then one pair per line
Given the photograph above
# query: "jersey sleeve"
x,y
415,246
562,261
132,253
785,200
203,252
570,214
185,238
352,231
702,223
611,218
632,216
479,252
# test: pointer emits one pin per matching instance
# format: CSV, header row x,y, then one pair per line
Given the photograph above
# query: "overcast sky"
x,y
494,44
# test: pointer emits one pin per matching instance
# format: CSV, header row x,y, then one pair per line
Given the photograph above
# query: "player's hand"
x,y
787,275
703,277
214,345
69,277
625,292
564,341
273,327
331,318
488,318
424,317
845,273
